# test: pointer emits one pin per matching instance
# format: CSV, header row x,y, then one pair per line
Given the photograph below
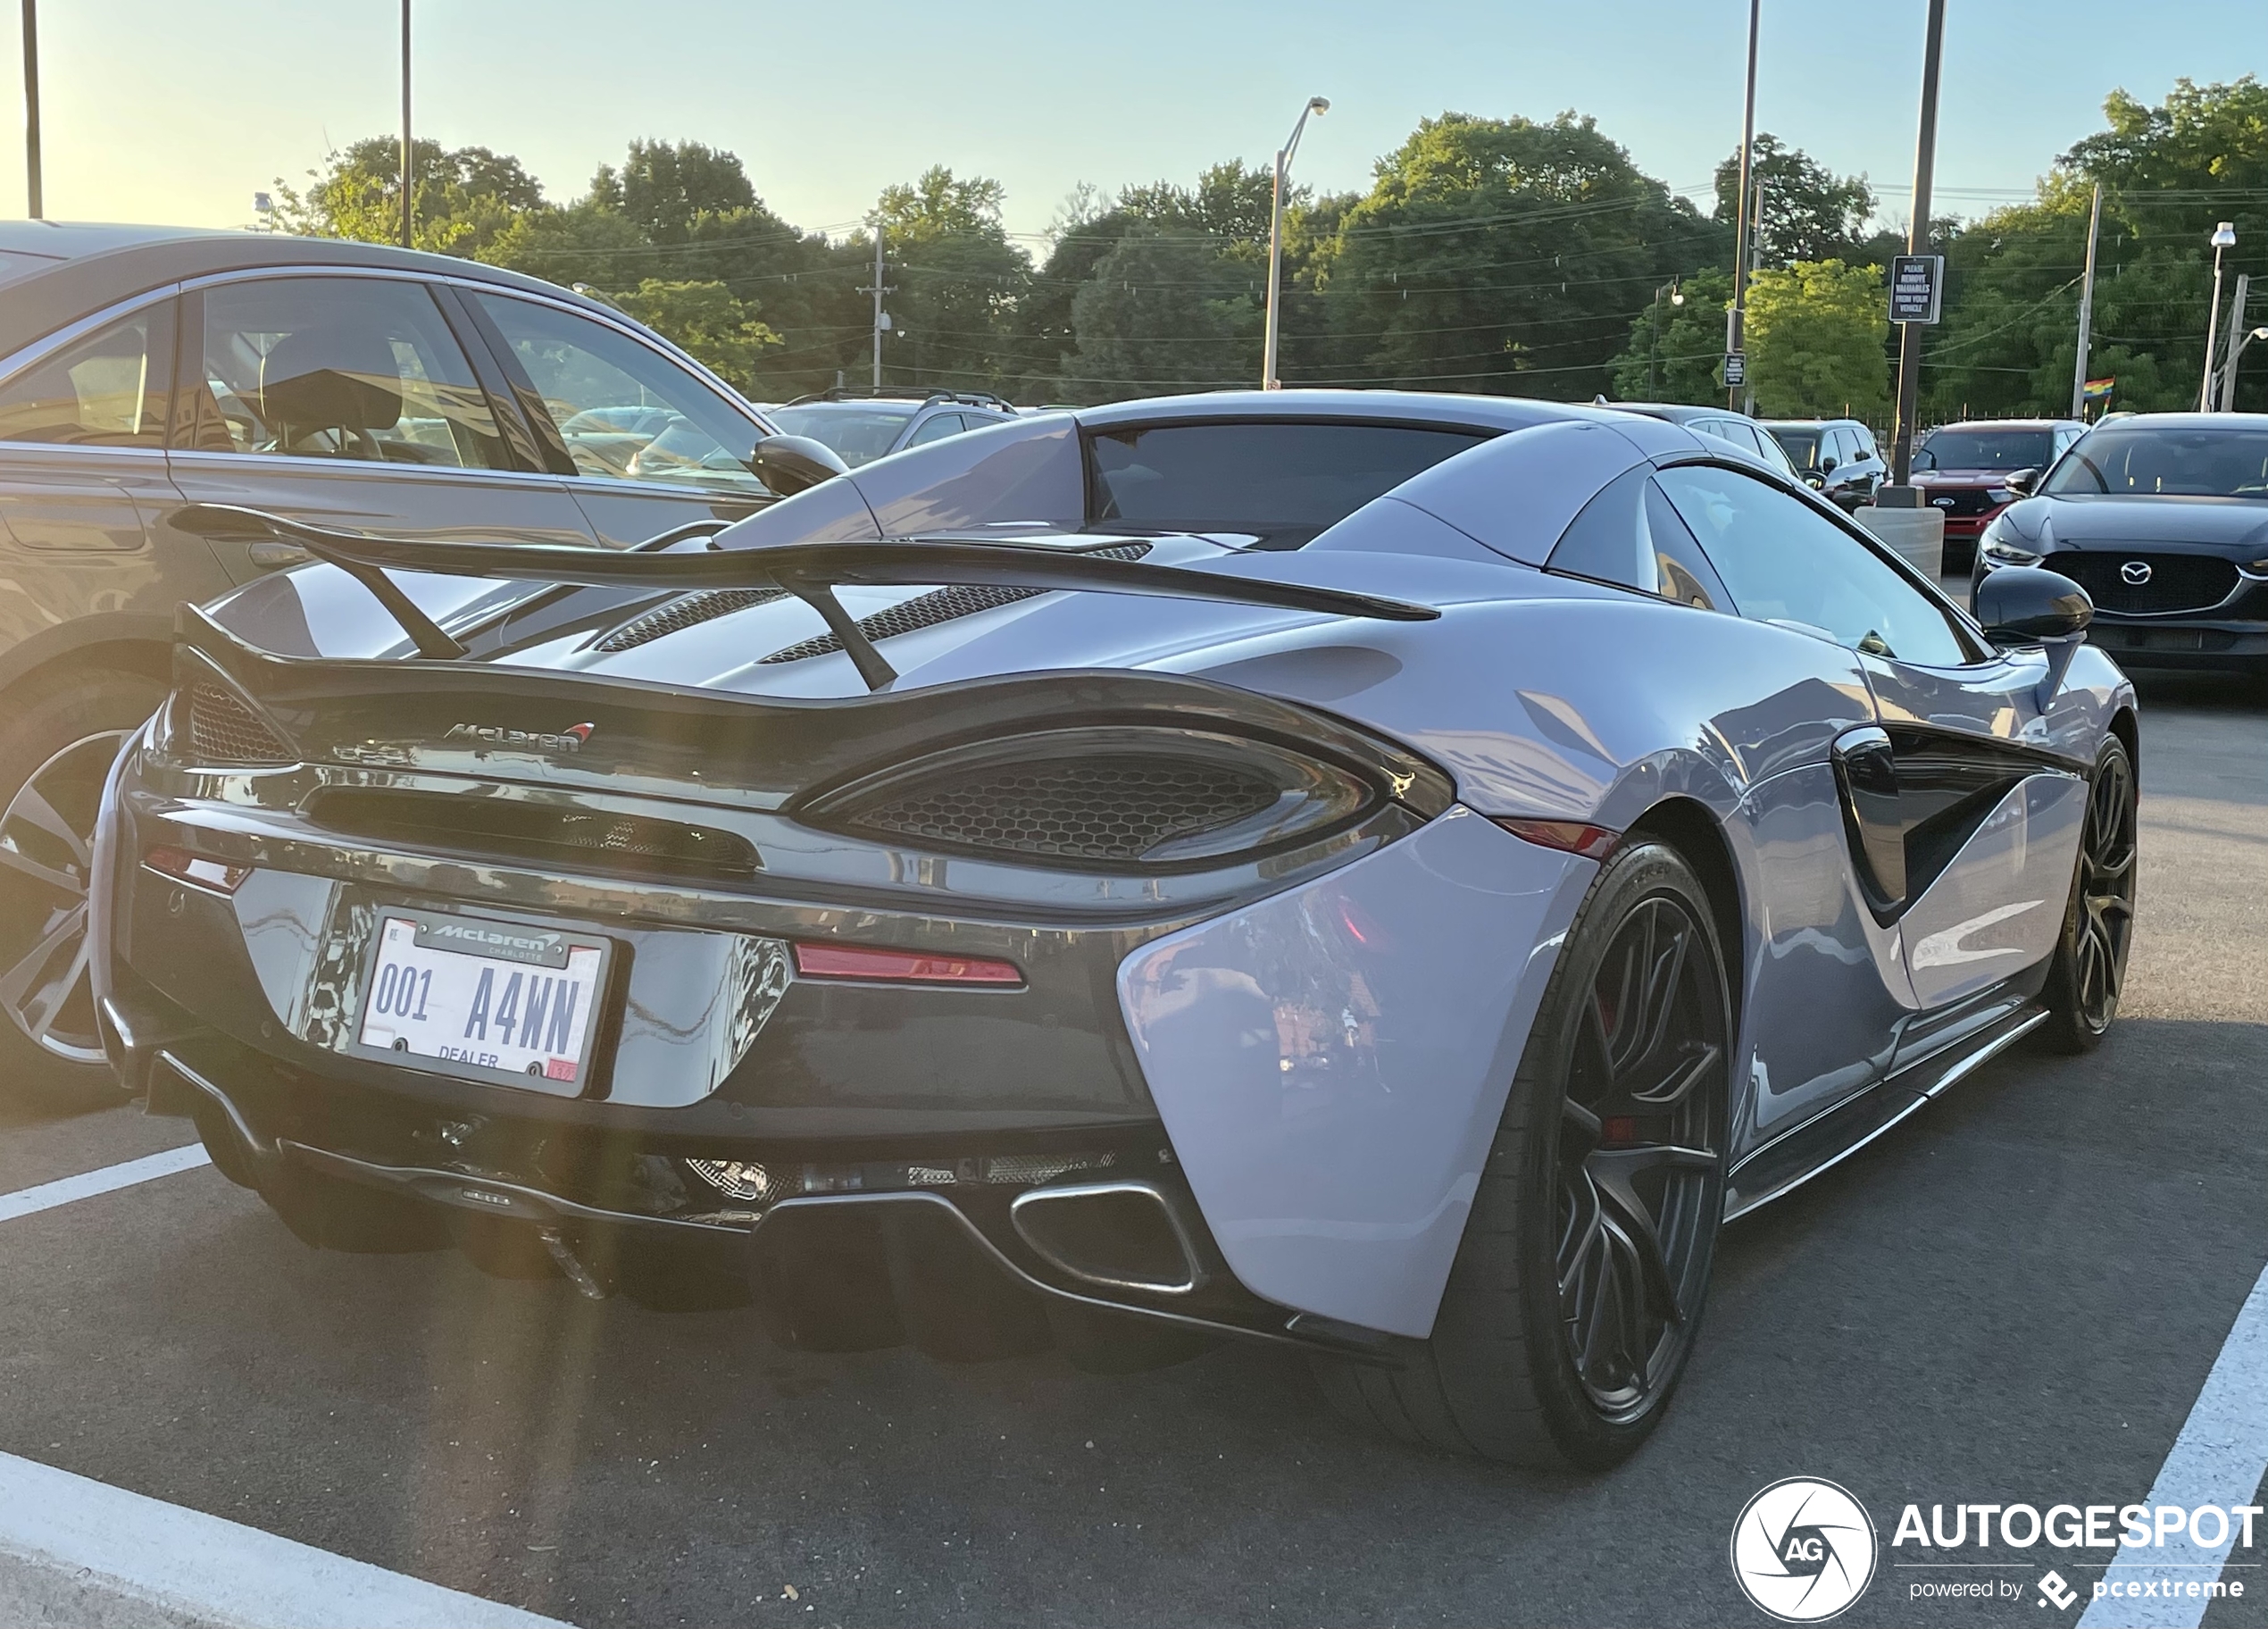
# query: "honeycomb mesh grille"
x,y
928,610
1095,808
689,611
224,731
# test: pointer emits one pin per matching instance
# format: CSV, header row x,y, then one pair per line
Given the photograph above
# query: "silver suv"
x,y
860,427
348,384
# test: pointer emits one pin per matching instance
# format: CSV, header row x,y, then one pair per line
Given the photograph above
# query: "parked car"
x,y
142,368
2162,518
1742,431
1834,456
1965,469
864,426
1378,874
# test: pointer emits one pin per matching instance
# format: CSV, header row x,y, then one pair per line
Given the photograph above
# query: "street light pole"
x,y
407,197
1653,351
1900,493
1736,332
2086,306
1318,105
34,205
2224,238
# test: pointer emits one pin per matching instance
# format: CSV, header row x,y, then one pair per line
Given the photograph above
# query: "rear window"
x,y
1281,482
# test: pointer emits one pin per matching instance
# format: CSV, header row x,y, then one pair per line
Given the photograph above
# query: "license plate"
x,y
497,1001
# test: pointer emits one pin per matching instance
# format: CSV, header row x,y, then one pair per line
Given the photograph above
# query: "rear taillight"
x,y
214,876
1570,836
902,966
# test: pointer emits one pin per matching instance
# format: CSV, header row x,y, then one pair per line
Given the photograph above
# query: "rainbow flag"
x,y
2096,390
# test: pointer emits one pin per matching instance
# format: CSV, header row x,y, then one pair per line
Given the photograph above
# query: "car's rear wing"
x,y
811,572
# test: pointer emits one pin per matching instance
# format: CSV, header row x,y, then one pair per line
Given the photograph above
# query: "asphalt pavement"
x,y
2014,1297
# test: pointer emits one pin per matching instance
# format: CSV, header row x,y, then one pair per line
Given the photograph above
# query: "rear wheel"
x,y
1578,1290
2089,970
57,743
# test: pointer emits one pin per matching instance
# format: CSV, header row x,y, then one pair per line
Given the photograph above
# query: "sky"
x,y
176,110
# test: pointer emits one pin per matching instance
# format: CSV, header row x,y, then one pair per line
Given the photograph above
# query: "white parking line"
x,y
2218,1459
110,1179
78,1552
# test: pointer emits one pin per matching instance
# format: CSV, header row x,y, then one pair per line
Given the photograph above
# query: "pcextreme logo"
x,y
1803,1550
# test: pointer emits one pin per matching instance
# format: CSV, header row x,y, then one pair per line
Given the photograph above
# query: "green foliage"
x,y
1816,334
1809,214
663,188
958,280
460,199
1163,313
1502,255
1682,359
721,332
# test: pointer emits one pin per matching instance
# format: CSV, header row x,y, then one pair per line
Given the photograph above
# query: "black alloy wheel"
x,y
2089,970
1640,1188
1577,1289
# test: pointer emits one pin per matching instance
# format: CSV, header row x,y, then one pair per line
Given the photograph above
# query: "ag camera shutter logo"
x,y
1803,1550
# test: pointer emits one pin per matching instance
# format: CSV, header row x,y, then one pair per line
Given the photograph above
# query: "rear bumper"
x,y
1308,1081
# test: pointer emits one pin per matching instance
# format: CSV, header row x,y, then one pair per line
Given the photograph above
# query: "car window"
x,y
1801,445
107,389
1783,562
624,410
938,428
358,369
858,433
2189,461
1864,438
1628,535
1282,482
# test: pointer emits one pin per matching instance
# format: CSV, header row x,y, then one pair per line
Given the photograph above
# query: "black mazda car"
x,y
2164,519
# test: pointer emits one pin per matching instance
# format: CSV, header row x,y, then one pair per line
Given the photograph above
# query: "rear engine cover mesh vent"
x,y
944,605
1090,807
690,611
224,731
578,840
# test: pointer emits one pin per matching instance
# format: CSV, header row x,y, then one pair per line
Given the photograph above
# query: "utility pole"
x,y
2237,341
1901,493
2224,238
2086,306
1755,264
34,205
1736,332
881,317
408,197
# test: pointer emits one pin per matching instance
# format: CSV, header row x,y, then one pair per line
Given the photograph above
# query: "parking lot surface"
x,y
2012,1296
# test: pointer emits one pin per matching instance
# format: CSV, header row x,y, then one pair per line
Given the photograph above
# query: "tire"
x,y
329,1213
1553,1250
2088,971
58,737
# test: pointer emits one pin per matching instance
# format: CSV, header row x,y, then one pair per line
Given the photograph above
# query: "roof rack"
x,y
864,393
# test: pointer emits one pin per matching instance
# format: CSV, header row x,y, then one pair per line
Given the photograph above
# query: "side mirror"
x,y
1816,481
1924,459
1827,464
789,465
2023,604
2022,482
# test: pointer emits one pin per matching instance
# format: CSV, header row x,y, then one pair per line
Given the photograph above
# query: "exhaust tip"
x,y
1121,1235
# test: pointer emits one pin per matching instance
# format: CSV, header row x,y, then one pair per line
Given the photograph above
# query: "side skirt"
x,y
1789,1161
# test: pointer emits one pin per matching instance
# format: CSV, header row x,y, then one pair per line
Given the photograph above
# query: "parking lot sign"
x,y
1736,370
1917,288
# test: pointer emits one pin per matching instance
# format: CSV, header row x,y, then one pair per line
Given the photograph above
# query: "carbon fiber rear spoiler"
x,y
811,572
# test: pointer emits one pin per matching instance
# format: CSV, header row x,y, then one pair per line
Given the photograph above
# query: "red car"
x,y
1965,470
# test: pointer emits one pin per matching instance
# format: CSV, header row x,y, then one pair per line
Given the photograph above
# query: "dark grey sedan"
x,y
347,384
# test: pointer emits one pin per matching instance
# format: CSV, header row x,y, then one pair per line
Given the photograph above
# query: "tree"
x,y
1815,341
1503,255
1676,352
958,279
1809,214
665,186
1164,312
459,199
716,328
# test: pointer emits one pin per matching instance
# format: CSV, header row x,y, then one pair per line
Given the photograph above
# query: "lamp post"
x,y
1736,322
1318,106
1653,350
34,205
408,192
2224,238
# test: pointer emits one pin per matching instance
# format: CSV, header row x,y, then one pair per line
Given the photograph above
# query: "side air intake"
x,y
224,731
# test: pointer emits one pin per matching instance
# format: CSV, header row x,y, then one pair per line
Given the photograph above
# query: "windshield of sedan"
x,y
2183,462
1281,482
859,431
1985,449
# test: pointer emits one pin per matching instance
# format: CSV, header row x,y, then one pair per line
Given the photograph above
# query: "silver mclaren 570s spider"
x,y
1387,875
